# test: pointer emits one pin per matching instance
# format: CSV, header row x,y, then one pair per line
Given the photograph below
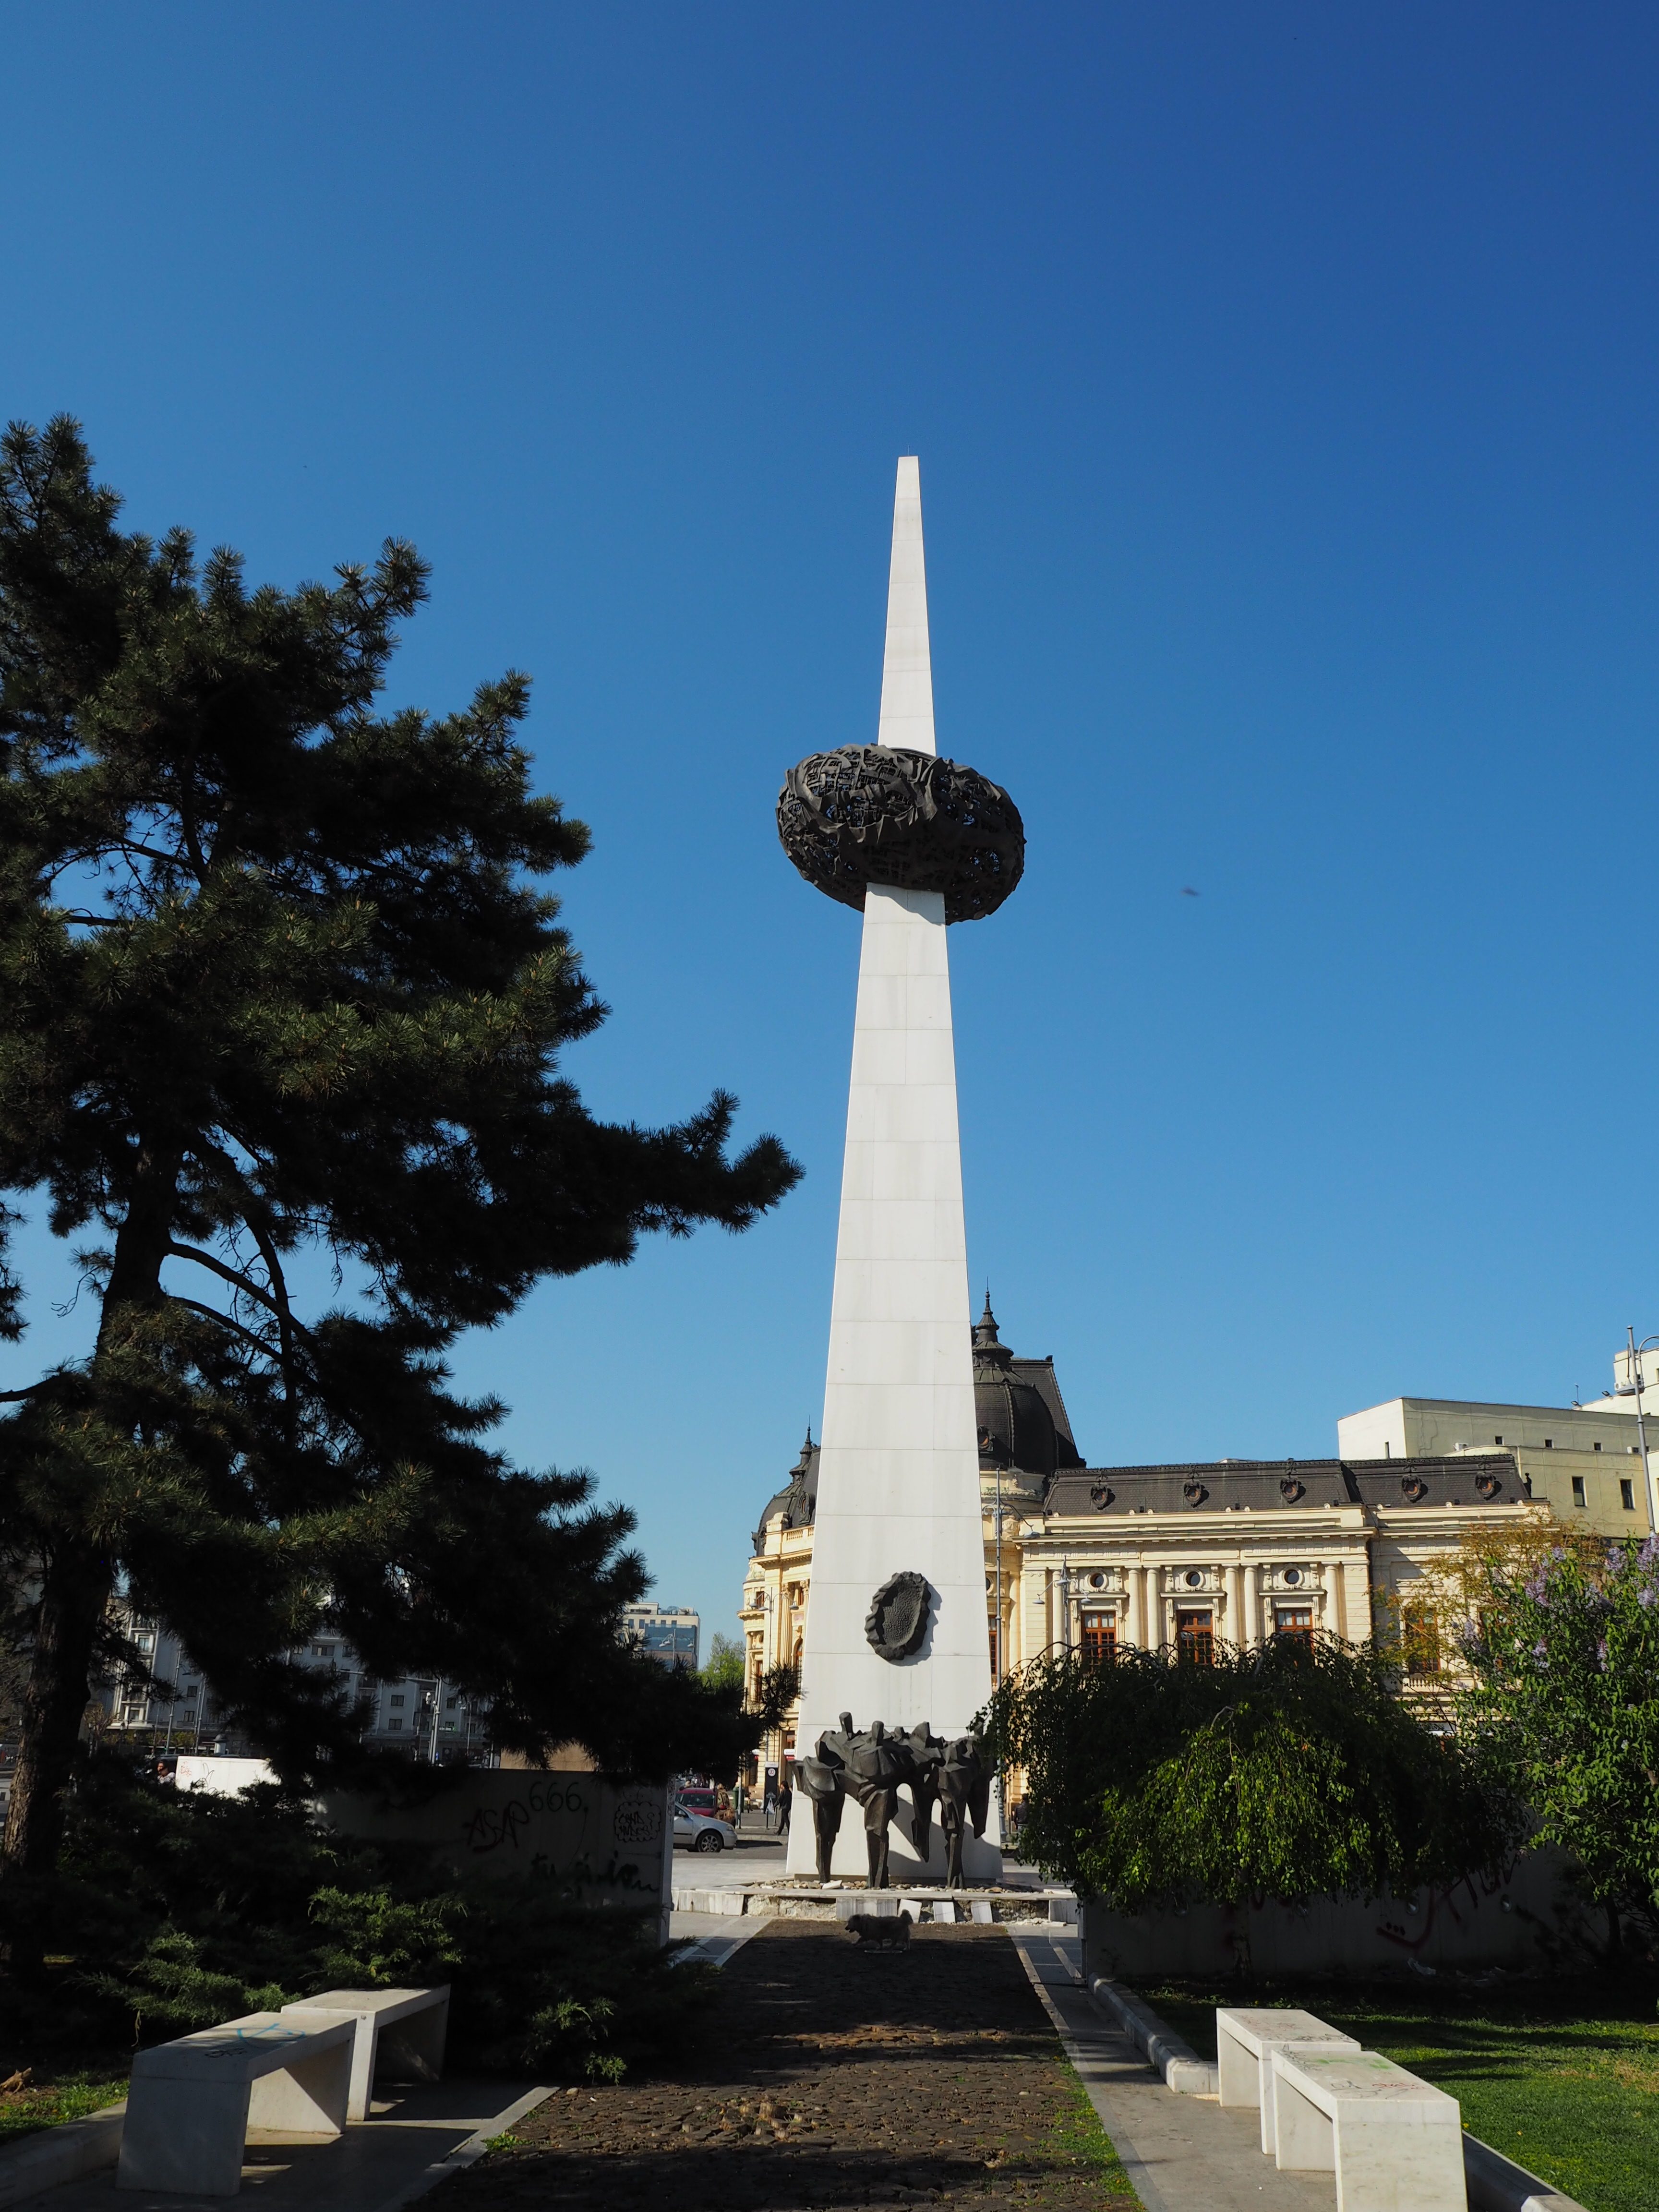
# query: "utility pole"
x,y
1634,1387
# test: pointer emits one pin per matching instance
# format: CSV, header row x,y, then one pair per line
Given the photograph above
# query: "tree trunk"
x,y
72,1600
77,1573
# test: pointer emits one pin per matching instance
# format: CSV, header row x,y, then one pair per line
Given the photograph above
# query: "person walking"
x,y
739,1802
785,1799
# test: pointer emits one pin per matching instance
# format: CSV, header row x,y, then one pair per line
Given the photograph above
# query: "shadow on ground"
x,y
826,2075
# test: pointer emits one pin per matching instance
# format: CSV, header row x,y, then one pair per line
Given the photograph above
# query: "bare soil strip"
x,y
825,2074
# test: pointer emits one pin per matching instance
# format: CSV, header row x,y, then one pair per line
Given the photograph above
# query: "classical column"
x,y
1145,1626
895,1626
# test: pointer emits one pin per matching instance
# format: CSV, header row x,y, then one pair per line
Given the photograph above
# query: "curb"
x,y
66,2153
464,2154
1182,2067
1497,2183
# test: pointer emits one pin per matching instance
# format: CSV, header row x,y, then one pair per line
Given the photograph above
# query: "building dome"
x,y
799,1499
1018,1430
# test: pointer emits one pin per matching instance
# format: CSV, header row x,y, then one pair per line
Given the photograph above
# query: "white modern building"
x,y
1583,1462
175,1710
667,1633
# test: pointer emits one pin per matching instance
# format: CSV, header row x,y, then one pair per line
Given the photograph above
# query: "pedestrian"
x,y
739,1802
785,1798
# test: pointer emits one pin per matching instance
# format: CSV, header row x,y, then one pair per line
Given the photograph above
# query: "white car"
x,y
698,1831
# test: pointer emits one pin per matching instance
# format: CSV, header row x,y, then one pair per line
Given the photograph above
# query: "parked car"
x,y
699,1797
701,1831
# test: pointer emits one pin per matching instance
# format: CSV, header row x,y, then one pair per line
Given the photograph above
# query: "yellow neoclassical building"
x,y
1085,1557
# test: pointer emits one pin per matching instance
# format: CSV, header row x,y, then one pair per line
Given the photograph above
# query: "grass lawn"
x,y
1562,2077
61,2097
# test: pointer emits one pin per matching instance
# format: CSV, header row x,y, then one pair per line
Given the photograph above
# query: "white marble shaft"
x,y
898,1472
907,667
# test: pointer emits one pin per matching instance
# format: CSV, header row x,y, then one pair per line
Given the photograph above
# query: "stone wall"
x,y
1524,1920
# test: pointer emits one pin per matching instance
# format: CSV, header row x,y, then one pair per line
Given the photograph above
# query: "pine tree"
x,y
278,976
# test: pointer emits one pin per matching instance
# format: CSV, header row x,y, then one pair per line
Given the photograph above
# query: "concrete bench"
x,y
398,2034
1245,2041
1395,2143
192,2103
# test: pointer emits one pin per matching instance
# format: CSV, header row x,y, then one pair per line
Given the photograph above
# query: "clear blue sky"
x,y
1284,382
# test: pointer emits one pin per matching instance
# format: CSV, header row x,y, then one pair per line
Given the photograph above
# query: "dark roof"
x,y
1212,1486
1018,1408
798,1500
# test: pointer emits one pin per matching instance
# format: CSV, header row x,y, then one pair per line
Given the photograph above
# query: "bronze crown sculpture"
x,y
877,814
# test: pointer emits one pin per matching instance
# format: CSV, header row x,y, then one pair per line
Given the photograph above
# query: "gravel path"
x,y
826,2075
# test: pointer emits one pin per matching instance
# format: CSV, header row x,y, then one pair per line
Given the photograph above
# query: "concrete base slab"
x,y
714,1936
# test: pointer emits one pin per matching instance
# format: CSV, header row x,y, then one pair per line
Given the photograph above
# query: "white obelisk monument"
x,y
899,1474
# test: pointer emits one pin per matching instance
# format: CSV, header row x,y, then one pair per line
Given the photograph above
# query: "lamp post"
x,y
432,1701
996,1648
996,1523
1633,1389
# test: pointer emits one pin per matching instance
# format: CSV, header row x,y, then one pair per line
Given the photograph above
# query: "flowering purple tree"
x,y
1564,1699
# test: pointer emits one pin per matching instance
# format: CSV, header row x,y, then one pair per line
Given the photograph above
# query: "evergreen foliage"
x,y
1565,1703
1283,1771
279,979
178,1910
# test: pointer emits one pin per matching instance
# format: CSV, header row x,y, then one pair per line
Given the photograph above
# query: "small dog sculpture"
x,y
881,1931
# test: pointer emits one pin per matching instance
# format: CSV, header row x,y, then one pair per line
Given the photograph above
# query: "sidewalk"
x,y
1183,2154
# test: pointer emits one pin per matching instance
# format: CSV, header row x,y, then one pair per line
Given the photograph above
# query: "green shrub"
x,y
174,1909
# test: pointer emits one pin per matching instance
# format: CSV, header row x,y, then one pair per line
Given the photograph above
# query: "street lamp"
x,y
996,1523
432,1702
1633,1389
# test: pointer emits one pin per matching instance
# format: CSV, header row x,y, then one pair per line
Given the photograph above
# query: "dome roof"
x,y
799,1499
1023,1428
1018,1408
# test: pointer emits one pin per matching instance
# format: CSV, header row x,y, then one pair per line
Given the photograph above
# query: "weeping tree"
x,y
1290,1771
282,995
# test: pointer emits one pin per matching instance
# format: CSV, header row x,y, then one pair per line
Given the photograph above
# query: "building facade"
x,y
172,1707
1584,1463
1089,1559
667,1633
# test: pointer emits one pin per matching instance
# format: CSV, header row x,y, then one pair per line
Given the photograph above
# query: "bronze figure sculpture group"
x,y
871,1765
